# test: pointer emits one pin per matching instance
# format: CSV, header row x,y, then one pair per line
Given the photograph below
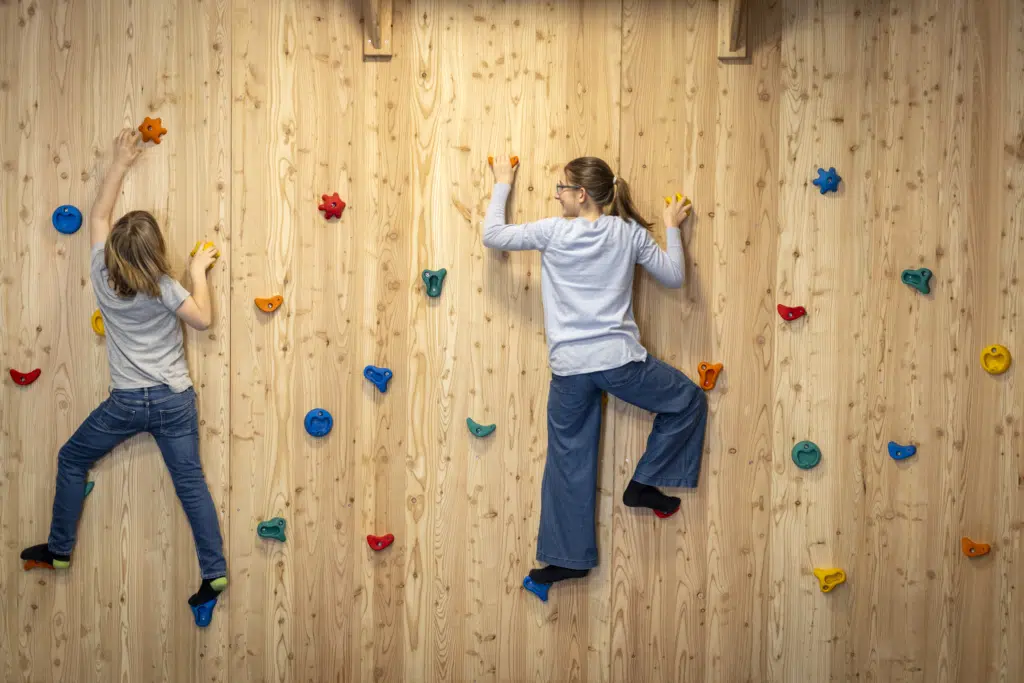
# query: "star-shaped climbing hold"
x,y
828,180
332,206
151,130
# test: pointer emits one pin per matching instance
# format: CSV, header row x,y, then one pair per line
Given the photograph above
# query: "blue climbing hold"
x,y
318,422
67,219
538,589
828,180
898,452
204,613
379,377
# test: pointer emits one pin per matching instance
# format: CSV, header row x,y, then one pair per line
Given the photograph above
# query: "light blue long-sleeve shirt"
x,y
587,271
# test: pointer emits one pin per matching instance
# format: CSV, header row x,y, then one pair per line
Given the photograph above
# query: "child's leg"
x,y
567,537
108,425
174,424
675,446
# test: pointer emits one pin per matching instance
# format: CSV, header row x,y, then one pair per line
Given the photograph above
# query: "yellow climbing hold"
x,y
205,245
829,578
97,323
995,359
679,197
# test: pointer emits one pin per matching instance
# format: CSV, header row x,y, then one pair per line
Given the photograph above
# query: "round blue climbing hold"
x,y
67,219
828,180
318,422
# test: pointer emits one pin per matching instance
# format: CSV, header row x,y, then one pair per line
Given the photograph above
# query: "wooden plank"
x,y
732,29
378,30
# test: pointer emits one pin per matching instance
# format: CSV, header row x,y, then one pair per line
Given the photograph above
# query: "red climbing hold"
x,y
332,206
380,542
25,378
663,515
788,313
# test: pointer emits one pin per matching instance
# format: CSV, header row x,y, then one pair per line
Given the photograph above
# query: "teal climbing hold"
x,y
272,528
806,455
434,279
918,279
477,429
88,487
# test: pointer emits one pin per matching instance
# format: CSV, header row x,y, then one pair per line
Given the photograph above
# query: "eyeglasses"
x,y
559,187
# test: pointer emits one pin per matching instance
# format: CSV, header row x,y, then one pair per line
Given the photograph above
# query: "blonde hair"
x,y
135,255
596,177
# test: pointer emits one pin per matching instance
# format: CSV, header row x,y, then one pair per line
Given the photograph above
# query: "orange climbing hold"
x,y
708,374
972,549
514,160
269,304
152,130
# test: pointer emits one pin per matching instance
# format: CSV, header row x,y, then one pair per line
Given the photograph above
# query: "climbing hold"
x,y
513,160
318,422
272,528
828,180
664,515
434,279
152,130
36,564
538,589
995,359
204,613
898,452
829,578
88,487
479,430
972,549
206,245
269,304
25,378
918,279
679,197
708,374
379,376
97,323
380,542
66,219
332,206
806,455
791,314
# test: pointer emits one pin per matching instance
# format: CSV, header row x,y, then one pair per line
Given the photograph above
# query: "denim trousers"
x,y
567,535
174,423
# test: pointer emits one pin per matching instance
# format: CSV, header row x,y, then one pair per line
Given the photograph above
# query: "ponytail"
x,y
596,177
622,204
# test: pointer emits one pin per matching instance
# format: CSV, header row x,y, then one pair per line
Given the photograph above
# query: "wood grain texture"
x,y
918,105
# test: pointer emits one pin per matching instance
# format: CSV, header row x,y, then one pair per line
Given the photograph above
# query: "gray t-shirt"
x,y
144,340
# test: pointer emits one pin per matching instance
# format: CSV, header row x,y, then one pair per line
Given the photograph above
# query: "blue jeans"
x,y
172,420
567,536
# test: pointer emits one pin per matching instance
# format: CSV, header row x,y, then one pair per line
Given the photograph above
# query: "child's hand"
x,y
677,212
504,171
126,148
202,261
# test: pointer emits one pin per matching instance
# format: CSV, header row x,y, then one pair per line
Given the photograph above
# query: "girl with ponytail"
x,y
588,259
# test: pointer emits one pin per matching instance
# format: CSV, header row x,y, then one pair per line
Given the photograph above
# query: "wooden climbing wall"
x,y
917,104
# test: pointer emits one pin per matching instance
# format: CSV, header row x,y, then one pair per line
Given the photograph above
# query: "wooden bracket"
x,y
732,29
377,29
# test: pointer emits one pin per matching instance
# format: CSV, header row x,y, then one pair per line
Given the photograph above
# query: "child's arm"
x,y
126,151
666,266
501,235
197,311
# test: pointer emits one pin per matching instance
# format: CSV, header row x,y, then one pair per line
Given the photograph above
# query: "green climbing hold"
x,y
806,455
88,487
272,528
434,279
918,279
479,430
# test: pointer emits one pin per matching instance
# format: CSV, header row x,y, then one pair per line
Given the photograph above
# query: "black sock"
x,y
208,590
41,554
639,495
552,574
